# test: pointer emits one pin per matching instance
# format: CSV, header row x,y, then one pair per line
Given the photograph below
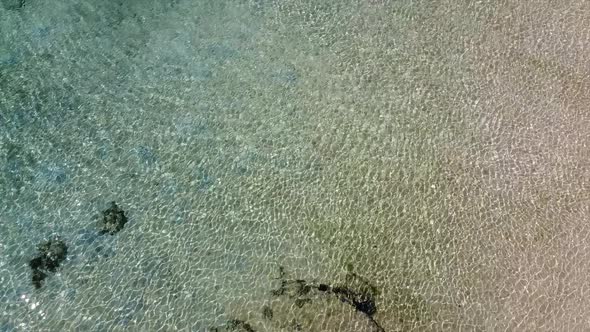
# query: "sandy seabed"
x,y
296,165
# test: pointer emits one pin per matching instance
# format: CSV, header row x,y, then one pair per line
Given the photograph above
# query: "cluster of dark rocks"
x,y
53,252
357,292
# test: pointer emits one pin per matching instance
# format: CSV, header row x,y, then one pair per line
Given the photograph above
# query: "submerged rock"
x,y
51,254
112,221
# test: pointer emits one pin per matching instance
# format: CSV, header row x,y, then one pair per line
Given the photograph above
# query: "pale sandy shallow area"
x,y
433,157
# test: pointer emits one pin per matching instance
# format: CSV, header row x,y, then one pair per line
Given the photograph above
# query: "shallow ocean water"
x,y
296,165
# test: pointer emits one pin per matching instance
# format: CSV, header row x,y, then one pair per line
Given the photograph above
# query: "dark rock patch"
x,y
323,287
112,221
51,254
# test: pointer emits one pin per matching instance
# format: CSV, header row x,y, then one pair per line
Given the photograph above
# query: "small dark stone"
x,y
323,288
301,302
113,220
267,312
239,325
367,306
